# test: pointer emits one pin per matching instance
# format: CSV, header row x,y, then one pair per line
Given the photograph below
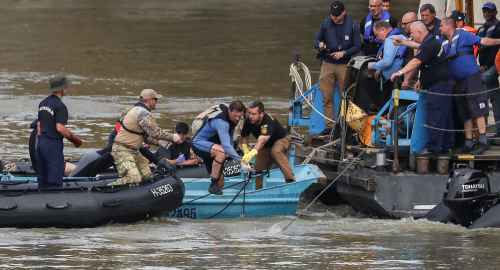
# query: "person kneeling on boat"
x,y
272,142
213,139
390,56
137,125
51,129
179,153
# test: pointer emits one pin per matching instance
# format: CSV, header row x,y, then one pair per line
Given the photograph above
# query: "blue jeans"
x,y
490,81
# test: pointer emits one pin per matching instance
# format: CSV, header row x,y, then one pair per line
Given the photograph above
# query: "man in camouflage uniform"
x,y
138,125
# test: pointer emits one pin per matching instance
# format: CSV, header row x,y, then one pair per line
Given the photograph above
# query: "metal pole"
x,y
395,136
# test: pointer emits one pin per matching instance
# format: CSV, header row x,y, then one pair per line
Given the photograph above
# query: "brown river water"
x,y
196,53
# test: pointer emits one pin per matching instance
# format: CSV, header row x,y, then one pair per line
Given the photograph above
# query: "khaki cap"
x,y
149,93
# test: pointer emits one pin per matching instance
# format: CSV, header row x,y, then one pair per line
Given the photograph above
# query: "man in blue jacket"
x,y
213,142
390,57
338,40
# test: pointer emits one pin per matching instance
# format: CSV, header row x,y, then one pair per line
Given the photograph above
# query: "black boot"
x,y
214,188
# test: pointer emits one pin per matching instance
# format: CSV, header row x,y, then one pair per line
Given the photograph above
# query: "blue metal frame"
x,y
314,121
415,137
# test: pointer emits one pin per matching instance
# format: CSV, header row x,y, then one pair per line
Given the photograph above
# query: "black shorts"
x,y
206,157
471,106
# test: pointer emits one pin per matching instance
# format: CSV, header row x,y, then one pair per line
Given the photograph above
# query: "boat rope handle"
x,y
246,181
347,167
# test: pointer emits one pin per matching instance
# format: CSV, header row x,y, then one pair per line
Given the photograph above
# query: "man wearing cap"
x,y
338,40
370,43
459,18
51,129
137,125
491,29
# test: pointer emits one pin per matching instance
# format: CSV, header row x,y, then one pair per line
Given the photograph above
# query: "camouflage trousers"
x,y
131,165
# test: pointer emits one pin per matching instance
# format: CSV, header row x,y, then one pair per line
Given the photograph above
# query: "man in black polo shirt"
x,y
51,129
434,78
272,142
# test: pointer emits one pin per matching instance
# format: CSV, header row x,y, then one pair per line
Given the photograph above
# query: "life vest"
x,y
130,133
347,37
401,49
487,32
471,30
451,50
368,32
139,105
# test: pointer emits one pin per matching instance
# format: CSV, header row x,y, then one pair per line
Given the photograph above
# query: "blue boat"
x,y
241,199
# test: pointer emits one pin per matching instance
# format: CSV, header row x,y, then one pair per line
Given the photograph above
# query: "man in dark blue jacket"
x,y
51,129
338,40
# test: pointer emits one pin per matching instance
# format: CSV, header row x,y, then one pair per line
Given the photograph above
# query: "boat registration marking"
x,y
161,190
424,206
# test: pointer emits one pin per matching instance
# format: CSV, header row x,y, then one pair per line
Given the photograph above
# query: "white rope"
x,y
299,86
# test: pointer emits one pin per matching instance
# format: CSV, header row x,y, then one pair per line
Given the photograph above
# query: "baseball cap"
x,y
490,6
457,15
149,93
336,8
57,83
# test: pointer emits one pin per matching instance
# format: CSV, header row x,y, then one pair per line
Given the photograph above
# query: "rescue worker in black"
x,y
51,129
491,29
434,78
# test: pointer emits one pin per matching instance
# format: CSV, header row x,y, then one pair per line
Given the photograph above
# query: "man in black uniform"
x,y
435,78
491,29
272,142
52,118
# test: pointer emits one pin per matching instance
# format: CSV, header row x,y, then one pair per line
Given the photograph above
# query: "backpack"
x,y
210,113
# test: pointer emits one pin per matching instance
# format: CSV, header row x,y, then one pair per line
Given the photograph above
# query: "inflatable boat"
x,y
85,201
469,201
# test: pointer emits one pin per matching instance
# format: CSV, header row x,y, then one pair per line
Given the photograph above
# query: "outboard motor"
x,y
467,195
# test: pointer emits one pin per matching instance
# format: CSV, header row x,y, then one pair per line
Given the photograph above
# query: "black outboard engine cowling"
x,y
467,195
